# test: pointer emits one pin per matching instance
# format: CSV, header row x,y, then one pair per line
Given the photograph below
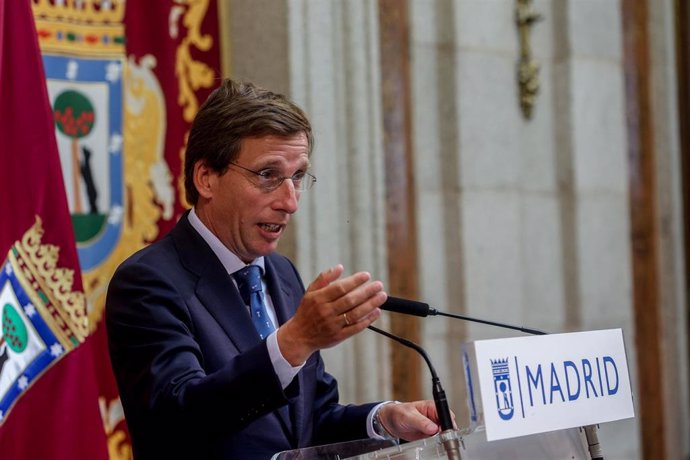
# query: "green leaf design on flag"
x,y
13,329
74,114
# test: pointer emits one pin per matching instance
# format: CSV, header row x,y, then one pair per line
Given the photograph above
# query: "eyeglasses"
x,y
270,179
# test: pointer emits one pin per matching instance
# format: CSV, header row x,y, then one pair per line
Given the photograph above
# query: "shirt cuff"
x,y
370,421
285,371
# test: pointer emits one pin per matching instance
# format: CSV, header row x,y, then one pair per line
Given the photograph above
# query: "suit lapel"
x,y
215,288
216,292
227,307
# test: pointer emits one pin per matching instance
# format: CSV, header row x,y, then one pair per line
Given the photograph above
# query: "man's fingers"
x,y
408,420
346,293
367,306
326,277
354,326
362,300
341,288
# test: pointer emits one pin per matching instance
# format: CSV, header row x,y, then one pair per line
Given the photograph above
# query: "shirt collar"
x,y
230,261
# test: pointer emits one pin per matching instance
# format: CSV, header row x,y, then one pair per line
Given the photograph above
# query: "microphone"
x,y
414,308
408,307
448,435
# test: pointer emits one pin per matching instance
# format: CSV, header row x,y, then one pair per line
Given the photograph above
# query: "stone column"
x,y
334,75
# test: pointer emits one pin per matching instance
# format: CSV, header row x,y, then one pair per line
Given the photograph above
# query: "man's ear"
x,y
204,179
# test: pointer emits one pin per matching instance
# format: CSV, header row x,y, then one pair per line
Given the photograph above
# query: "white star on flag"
x,y
23,382
115,215
29,309
112,71
56,349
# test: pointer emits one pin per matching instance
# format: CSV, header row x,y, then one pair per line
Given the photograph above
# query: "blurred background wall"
x,y
557,203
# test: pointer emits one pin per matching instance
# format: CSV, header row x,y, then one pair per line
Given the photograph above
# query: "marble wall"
x,y
524,221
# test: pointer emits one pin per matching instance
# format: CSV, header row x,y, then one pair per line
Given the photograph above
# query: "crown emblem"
x,y
94,26
502,387
91,11
36,263
499,366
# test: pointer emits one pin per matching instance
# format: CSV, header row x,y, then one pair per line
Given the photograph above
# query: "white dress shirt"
x,y
283,369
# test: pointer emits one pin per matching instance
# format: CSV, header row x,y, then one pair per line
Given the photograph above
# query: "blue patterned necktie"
x,y
249,283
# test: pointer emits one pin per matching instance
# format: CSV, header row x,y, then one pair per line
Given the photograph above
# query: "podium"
x,y
556,445
528,398
336,451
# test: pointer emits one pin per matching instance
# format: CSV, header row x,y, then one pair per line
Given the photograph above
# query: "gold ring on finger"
x,y
347,321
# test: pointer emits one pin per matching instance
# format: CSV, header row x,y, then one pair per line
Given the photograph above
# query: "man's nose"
x,y
287,196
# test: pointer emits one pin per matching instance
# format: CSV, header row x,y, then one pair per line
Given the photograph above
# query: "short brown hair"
x,y
235,111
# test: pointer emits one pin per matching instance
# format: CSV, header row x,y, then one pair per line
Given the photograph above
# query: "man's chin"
x,y
266,248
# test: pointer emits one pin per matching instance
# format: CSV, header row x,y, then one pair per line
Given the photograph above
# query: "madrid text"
x,y
570,380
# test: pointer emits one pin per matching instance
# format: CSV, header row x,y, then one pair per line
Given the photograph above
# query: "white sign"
x,y
527,385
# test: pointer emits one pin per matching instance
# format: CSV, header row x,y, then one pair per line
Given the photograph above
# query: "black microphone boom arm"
x,y
442,408
415,308
491,323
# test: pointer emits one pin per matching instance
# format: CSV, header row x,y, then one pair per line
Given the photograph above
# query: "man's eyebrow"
x,y
280,164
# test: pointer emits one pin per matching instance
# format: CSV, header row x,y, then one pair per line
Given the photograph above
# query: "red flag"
x,y
124,81
48,390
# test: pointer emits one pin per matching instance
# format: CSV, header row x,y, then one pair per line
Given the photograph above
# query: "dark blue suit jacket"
x,y
195,380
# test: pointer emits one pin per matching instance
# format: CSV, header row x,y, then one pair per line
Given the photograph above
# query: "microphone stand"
x,y
448,436
593,442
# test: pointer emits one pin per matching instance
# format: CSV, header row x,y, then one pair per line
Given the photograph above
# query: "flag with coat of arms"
x,y
98,97
48,389
124,81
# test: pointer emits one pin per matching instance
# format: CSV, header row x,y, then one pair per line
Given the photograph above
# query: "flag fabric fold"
x,y
48,389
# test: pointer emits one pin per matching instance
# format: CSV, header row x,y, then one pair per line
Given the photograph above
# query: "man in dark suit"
x,y
205,373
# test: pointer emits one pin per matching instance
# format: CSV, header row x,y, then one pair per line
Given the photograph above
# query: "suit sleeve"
x,y
159,365
336,422
332,421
